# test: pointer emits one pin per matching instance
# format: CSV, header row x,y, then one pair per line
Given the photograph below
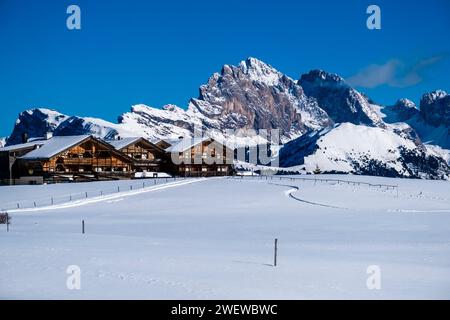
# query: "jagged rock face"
x,y
341,102
435,108
35,123
404,110
254,95
431,122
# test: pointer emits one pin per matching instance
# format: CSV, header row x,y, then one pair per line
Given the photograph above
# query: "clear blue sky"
x,y
159,52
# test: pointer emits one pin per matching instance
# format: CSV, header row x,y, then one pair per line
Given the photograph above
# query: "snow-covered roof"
x,y
26,145
54,146
186,143
172,142
123,142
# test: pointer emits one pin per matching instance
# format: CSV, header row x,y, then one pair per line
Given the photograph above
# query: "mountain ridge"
x,y
252,96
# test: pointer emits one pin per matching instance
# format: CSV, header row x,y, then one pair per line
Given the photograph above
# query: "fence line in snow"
x,y
67,198
324,180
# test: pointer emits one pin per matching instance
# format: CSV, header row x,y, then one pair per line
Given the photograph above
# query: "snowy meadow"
x,y
213,238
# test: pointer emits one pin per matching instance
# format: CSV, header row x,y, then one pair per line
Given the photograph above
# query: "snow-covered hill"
x,y
359,149
160,242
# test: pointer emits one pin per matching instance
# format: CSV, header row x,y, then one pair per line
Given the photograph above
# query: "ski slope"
x,y
213,239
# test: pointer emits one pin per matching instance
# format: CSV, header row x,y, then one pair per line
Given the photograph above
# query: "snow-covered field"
x,y
213,239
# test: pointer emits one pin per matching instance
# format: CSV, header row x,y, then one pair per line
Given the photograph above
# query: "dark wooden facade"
x,y
8,161
147,157
204,158
87,160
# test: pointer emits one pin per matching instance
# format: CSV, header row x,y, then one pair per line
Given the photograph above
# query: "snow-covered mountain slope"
x,y
169,122
431,121
3,142
359,149
36,122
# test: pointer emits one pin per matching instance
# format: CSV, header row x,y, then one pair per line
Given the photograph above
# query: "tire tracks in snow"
x,y
293,189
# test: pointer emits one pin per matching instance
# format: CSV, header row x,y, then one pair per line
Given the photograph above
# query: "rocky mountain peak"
x,y
432,97
340,101
322,78
35,123
435,108
260,71
405,103
254,95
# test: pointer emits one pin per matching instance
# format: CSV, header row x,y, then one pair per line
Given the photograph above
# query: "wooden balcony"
x,y
77,161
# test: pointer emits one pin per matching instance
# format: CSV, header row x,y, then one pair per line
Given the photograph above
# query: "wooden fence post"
x,y
275,253
82,226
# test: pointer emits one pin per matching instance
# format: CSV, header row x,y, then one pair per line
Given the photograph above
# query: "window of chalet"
x,y
87,154
104,154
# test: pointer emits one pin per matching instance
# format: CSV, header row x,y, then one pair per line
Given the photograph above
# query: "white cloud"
x,y
394,73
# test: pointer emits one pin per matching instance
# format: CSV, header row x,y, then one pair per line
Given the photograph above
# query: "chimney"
x,y
24,137
48,135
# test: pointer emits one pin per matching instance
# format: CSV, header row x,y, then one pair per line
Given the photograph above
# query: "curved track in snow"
x,y
293,189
